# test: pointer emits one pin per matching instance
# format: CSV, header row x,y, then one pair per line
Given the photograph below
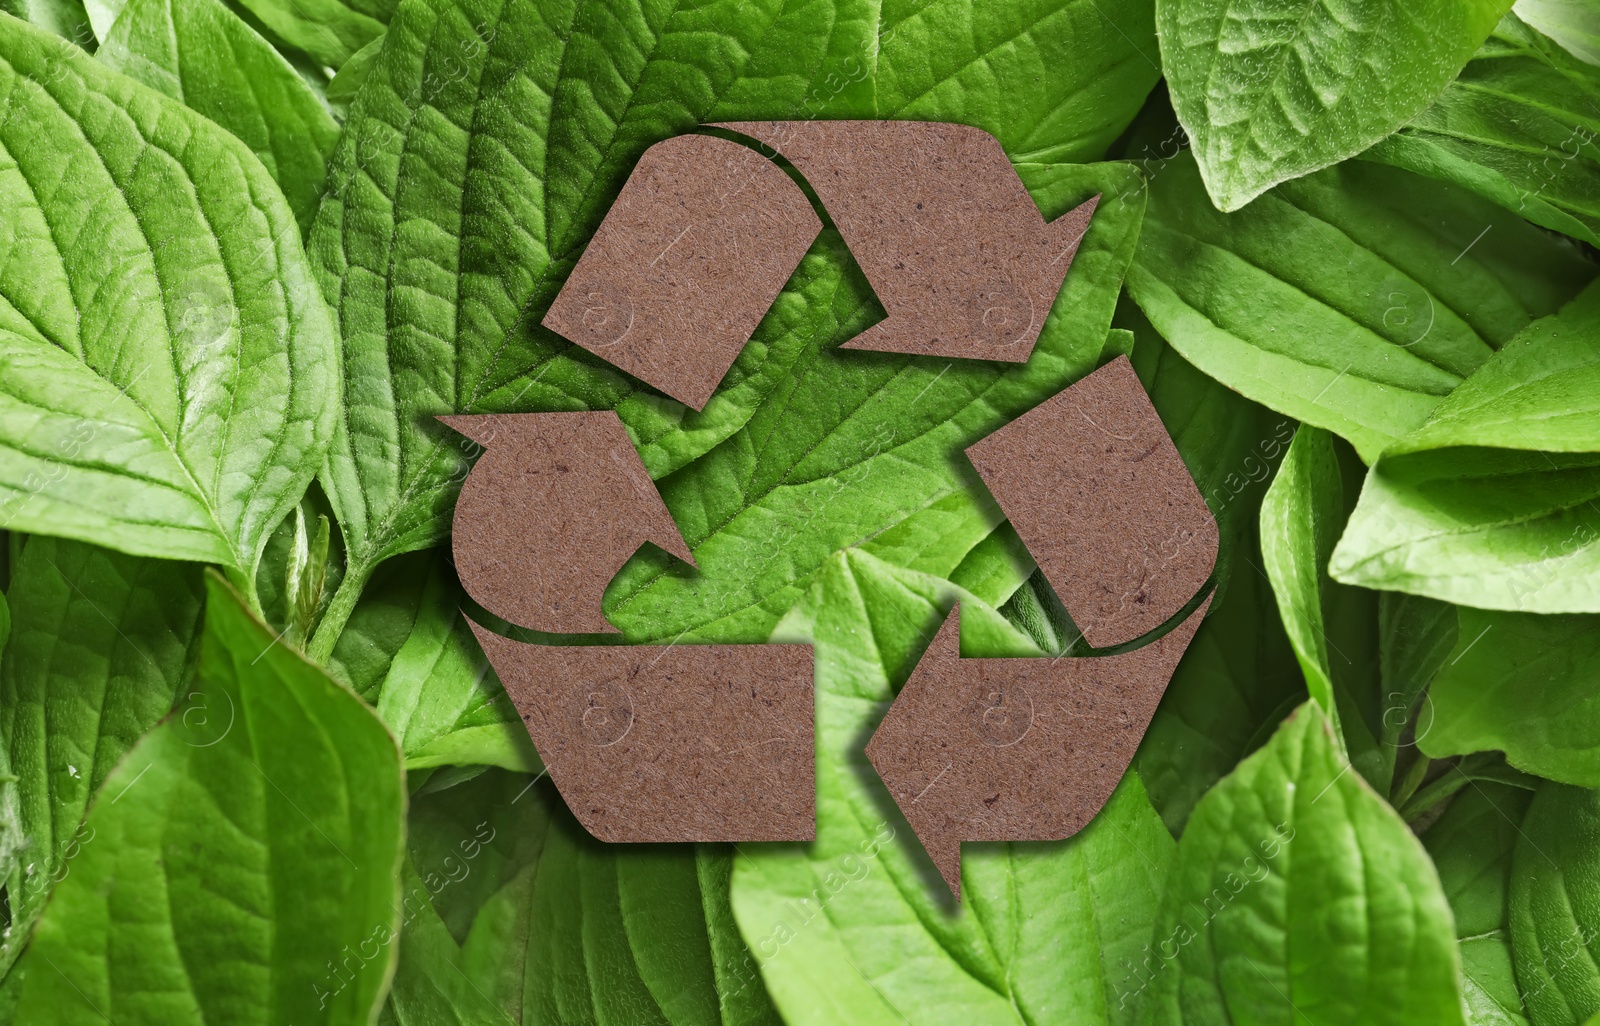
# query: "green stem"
x,y
343,603
1416,773
1460,775
246,584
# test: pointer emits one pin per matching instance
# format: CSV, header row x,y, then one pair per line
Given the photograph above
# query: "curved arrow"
x,y
949,238
697,246
671,743
550,513
1016,749
1096,490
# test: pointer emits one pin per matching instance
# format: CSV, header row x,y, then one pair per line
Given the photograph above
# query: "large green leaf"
x,y
1270,90
857,928
1415,637
1491,502
1575,24
1555,906
1299,893
1518,127
490,136
1353,300
1472,845
1333,627
332,31
170,364
100,650
512,914
440,696
203,55
66,18
381,622
1524,684
238,853
1237,679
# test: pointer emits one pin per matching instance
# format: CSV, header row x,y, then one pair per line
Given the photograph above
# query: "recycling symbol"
x,y
716,742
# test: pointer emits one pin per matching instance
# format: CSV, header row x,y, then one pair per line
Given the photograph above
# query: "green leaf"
x,y
429,988
1270,90
1353,300
1472,845
1526,685
1332,626
170,365
381,623
342,88
1555,905
441,698
1415,637
1575,24
514,914
1518,127
203,55
489,138
235,855
856,927
1236,681
329,30
1491,502
65,18
101,647
1299,893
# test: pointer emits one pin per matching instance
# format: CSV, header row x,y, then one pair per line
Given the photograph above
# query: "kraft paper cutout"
x,y
1016,749
706,743
671,742
700,242
949,238
1097,492
550,513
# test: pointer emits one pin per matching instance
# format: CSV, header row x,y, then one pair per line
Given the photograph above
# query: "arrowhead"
x,y
1066,232
550,513
907,753
671,743
1016,749
947,234
479,428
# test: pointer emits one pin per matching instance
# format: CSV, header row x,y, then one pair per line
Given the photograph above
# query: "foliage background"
x,y
248,249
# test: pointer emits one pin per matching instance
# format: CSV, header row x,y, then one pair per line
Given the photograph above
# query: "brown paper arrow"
x,y
1096,490
955,248
550,513
1016,749
685,264
671,742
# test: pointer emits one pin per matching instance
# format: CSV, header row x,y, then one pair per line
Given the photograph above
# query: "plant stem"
x,y
1458,776
1416,773
246,584
343,603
